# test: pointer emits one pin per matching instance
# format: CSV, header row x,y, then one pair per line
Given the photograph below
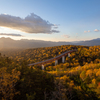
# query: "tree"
x,y
8,82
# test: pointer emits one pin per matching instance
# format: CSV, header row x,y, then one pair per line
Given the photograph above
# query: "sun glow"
x,y
8,30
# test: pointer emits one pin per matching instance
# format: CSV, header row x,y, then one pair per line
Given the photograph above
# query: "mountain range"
x,y
8,43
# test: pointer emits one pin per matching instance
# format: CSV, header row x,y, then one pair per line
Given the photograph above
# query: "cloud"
x,y
30,24
88,31
96,30
85,31
11,34
66,36
55,31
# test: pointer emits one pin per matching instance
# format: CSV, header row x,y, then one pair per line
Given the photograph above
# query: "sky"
x,y
50,20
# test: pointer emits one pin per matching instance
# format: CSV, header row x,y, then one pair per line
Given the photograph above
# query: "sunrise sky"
x,y
50,20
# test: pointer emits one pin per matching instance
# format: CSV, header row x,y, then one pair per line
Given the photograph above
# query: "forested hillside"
x,y
76,79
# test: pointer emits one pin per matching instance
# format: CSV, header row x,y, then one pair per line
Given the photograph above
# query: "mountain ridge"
x,y
7,43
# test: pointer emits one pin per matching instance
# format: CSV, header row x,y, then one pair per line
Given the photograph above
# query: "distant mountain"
x,y
8,43
97,39
89,42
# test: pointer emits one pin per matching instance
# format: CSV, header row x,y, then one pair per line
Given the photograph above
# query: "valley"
x,y
76,79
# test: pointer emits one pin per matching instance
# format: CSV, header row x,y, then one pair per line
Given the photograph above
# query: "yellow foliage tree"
x,y
8,82
89,73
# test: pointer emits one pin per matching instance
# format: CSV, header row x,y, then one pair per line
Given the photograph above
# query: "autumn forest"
x,y
76,79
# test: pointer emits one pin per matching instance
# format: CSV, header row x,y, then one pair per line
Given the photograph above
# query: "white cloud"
x,y
30,24
11,34
66,36
96,30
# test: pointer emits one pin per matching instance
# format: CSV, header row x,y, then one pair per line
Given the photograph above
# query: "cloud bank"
x,y
11,34
30,24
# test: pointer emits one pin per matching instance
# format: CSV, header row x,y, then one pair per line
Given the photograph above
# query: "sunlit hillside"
x,y
76,79
49,49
